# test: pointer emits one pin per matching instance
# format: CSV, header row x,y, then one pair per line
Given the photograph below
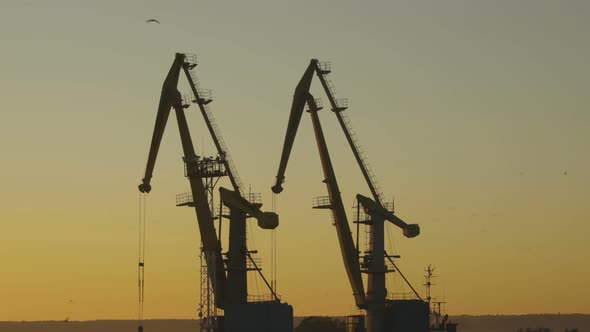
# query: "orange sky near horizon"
x,y
471,113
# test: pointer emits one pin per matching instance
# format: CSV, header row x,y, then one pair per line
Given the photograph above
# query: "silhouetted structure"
x,y
438,322
226,276
381,311
321,324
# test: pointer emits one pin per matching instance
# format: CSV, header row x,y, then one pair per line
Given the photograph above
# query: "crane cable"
x,y
274,247
251,241
141,258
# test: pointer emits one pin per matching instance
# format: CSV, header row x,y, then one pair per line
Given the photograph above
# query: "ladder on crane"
x,y
339,105
203,97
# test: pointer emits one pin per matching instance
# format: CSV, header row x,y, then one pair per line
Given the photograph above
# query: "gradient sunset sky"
x,y
474,114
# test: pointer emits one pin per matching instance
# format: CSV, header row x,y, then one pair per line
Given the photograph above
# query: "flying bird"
x,y
152,20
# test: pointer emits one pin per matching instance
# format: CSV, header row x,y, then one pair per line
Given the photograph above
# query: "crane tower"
x,y
383,314
225,274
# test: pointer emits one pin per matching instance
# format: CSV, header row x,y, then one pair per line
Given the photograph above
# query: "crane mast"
x,y
299,99
240,208
230,287
302,97
171,98
374,301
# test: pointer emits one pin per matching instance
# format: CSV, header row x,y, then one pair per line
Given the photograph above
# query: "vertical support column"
x,y
209,240
376,291
237,273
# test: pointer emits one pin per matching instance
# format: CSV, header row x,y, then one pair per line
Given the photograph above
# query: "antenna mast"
x,y
429,276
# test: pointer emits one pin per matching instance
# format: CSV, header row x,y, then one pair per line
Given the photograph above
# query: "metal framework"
x,y
374,259
223,280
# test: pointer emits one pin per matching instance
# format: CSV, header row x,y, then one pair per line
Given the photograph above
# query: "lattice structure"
x,y
210,170
207,310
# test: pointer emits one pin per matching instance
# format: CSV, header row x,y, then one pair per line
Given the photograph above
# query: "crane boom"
x,y
297,107
354,146
347,247
218,141
374,301
169,92
171,98
299,100
349,252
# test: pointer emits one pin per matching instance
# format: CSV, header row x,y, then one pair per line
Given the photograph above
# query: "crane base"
x,y
258,316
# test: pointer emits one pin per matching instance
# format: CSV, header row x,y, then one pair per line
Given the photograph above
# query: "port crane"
x,y
374,300
227,275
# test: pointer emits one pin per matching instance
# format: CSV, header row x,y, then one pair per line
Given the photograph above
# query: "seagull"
x,y
152,20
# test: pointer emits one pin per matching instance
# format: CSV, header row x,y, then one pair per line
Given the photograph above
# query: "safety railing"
x,y
363,160
190,58
184,199
224,151
318,104
254,198
255,263
325,67
206,167
262,298
186,100
225,211
321,202
205,96
389,206
361,217
342,104
401,296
